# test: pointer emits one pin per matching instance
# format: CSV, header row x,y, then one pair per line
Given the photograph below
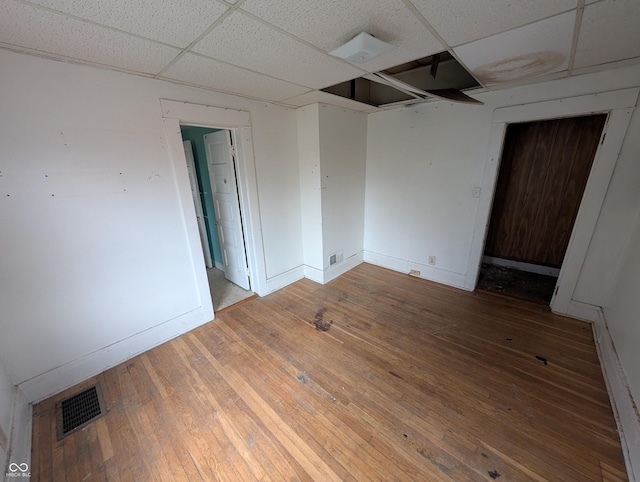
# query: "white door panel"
x,y
230,237
226,213
227,207
195,194
221,176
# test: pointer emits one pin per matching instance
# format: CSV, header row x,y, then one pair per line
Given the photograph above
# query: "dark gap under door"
x,y
516,283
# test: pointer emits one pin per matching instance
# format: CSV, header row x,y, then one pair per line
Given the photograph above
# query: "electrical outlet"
x,y
414,272
432,260
476,192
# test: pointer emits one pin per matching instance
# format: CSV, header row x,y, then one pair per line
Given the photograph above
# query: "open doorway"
x,y
543,172
211,166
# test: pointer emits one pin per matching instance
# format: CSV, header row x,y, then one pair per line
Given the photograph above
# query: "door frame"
x,y
238,122
619,106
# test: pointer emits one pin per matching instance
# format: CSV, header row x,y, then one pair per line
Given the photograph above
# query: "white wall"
x,y
310,185
94,247
622,315
276,154
615,221
622,311
343,141
422,166
423,163
332,157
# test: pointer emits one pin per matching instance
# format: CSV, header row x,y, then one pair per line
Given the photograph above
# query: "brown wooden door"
x,y
544,169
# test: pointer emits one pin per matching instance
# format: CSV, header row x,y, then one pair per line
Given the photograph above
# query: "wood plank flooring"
x,y
412,381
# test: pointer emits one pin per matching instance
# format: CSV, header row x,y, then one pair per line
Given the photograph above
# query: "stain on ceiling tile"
x,y
520,67
526,52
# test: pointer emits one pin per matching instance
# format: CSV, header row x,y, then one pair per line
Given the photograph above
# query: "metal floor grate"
x,y
78,410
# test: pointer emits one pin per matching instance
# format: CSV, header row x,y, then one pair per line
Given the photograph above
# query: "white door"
x,y
227,206
195,194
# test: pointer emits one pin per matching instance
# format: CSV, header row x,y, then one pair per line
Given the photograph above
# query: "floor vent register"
x,y
75,412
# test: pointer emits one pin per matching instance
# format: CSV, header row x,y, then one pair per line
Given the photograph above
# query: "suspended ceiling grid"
x,y
277,50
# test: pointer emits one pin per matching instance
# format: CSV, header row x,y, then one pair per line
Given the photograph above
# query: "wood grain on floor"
x,y
410,381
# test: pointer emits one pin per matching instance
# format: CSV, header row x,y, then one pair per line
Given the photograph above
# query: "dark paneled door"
x,y
544,169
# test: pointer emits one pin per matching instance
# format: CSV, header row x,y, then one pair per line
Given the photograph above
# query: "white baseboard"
x,y
625,409
19,446
583,311
332,272
314,274
76,371
428,272
280,281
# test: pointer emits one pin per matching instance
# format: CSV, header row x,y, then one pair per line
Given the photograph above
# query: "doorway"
x,y
541,181
213,180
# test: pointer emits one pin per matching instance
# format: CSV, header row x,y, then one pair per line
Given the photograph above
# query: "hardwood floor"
x,y
411,381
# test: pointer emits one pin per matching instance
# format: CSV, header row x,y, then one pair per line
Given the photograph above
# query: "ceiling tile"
x,y
317,96
609,33
52,33
246,42
198,70
536,49
329,24
178,22
460,21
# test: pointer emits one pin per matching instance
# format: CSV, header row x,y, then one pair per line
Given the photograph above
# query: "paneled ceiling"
x,y
276,50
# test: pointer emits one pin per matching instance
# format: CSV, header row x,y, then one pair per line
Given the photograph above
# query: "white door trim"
x,y
239,123
619,105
